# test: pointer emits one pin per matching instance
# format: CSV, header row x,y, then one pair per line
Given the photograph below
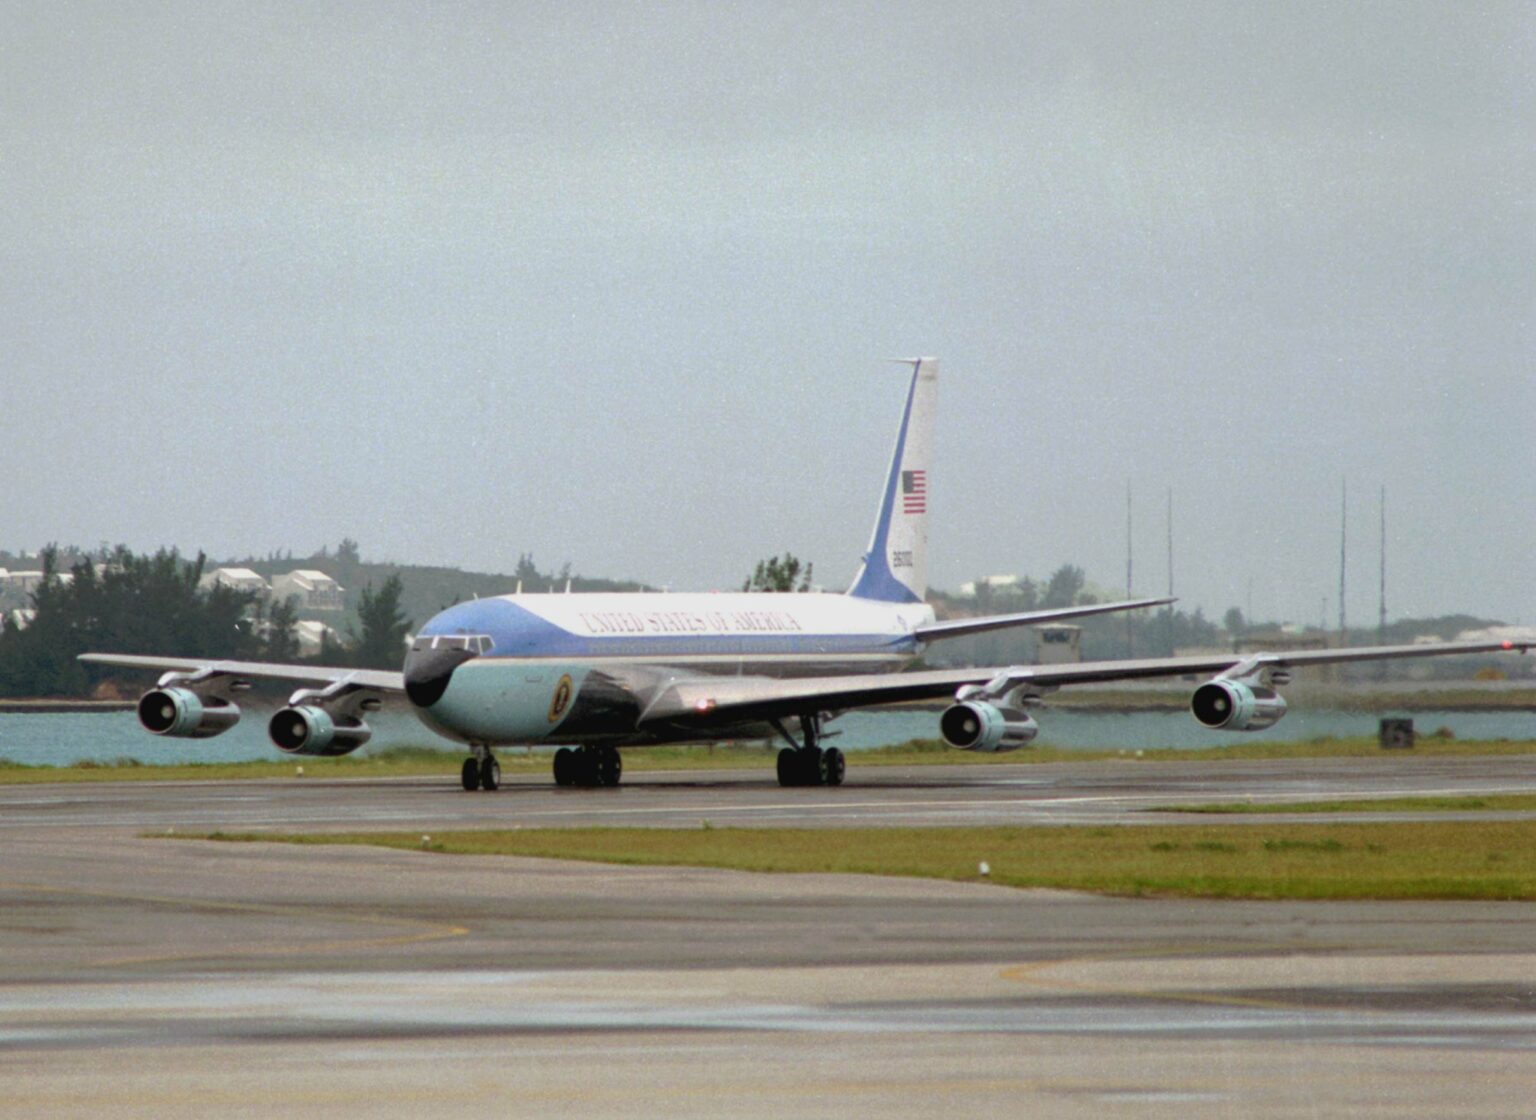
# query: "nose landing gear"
x,y
480,770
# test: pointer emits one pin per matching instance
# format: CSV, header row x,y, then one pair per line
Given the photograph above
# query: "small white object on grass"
x,y
298,771
425,840
983,869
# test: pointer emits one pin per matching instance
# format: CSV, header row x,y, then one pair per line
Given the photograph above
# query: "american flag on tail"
x,y
914,491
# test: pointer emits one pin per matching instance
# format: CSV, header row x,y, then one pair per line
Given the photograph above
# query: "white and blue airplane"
x,y
597,672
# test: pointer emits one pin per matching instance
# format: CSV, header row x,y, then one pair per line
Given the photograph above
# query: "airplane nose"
x,y
428,671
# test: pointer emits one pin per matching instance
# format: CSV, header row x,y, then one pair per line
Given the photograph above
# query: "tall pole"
x,y
1130,636
1381,622
1343,547
1168,610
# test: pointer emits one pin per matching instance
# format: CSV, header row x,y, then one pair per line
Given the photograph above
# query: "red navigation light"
x,y
704,705
1508,644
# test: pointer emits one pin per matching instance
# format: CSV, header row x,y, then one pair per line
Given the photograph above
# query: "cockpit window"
x,y
474,643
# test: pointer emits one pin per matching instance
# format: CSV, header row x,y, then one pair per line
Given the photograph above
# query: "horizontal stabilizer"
x,y
960,627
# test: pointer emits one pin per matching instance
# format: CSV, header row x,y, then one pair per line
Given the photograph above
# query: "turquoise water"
x,y
60,739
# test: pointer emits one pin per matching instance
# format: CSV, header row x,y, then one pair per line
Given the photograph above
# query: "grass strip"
x,y
1422,860
420,761
1491,802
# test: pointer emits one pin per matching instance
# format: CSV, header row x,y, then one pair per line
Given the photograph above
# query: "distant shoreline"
x,y
56,705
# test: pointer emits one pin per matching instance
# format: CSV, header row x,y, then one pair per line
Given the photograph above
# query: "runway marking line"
x,y
1030,974
427,931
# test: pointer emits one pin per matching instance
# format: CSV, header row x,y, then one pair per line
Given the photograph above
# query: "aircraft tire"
x,y
565,767
610,767
490,773
788,768
588,773
833,766
811,759
469,776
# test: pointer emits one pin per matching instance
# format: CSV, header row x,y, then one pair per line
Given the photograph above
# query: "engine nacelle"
x,y
313,731
183,714
975,725
1228,705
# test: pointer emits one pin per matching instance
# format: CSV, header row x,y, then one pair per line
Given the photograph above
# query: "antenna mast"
x,y
1168,610
1381,623
1343,552
1130,636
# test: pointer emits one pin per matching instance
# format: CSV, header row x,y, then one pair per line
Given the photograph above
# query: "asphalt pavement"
x,y
142,975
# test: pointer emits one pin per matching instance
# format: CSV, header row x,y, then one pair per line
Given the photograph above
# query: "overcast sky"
x,y
613,284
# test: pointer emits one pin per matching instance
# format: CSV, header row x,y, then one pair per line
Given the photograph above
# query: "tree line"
x,y
153,604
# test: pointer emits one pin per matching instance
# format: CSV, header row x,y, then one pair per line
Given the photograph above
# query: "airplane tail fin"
x,y
895,568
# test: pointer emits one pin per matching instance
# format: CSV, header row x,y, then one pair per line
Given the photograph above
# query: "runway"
x,y
154,977
1055,793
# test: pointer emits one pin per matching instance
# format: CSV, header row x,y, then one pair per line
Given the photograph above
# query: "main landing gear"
x,y
481,770
805,763
588,766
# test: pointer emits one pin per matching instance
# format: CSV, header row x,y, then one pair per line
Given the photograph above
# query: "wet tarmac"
x,y
144,976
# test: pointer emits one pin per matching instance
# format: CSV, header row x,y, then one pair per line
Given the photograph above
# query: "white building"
x,y
313,637
1498,634
16,588
21,583
1002,585
238,579
314,590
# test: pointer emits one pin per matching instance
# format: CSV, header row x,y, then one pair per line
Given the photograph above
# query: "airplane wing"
x,y
959,627
382,679
724,700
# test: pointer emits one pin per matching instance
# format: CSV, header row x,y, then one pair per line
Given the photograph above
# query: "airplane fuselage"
x,y
576,668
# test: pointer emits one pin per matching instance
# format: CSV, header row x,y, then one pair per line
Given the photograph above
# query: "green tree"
x,y
347,567
381,643
779,573
1234,622
527,572
279,642
124,604
1065,585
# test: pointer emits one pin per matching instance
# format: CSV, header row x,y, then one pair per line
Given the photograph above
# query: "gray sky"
x,y
613,285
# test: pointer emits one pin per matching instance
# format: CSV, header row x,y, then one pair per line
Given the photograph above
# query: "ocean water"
x,y
61,739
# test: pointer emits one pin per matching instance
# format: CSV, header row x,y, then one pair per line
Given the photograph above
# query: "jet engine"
x,y
975,725
184,714
1229,705
310,730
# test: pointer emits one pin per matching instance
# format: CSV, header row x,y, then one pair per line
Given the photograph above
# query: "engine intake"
x,y
1228,705
975,725
181,713
313,731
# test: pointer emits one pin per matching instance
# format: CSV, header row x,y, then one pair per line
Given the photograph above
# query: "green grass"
x,y
419,761
1500,802
1433,860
